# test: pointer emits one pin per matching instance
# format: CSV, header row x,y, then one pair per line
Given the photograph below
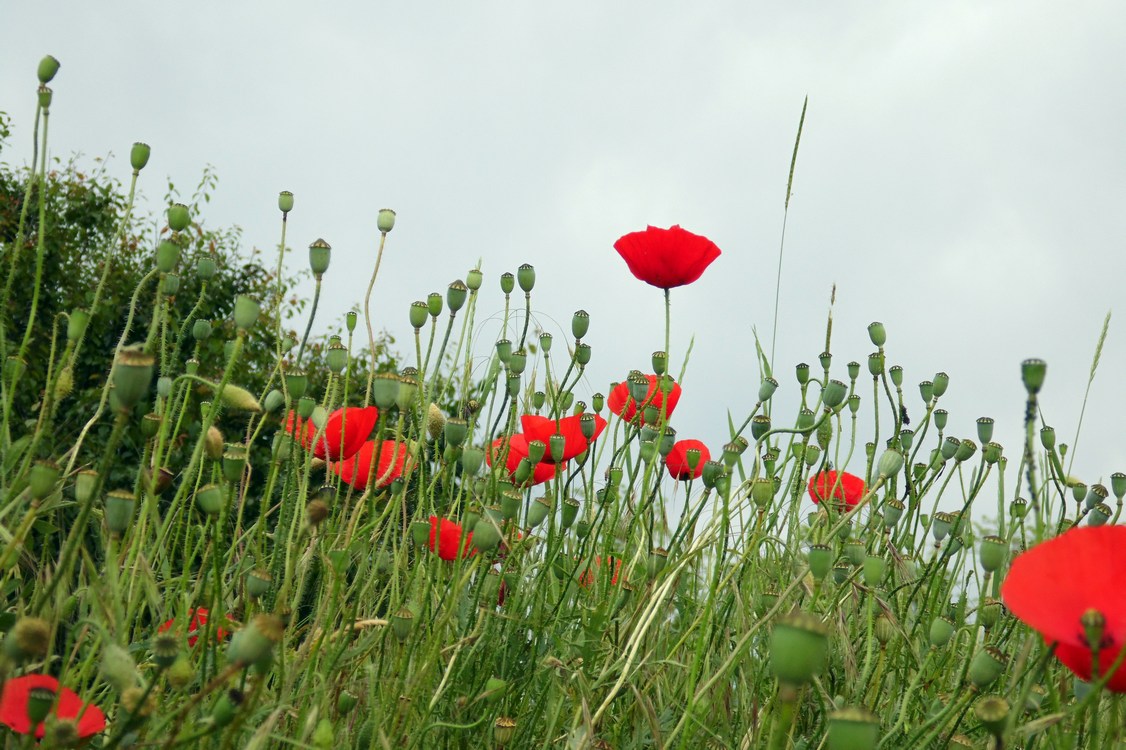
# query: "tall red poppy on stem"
x,y
1075,577
678,463
394,462
344,432
588,576
666,257
197,621
88,718
445,536
542,428
517,451
621,403
844,488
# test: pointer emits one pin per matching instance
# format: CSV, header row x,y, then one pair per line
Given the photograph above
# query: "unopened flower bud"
x,y
48,68
246,312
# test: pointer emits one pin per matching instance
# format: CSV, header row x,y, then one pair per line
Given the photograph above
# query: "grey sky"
x,y
961,177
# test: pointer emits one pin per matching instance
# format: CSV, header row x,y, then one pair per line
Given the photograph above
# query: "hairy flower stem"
x,y
40,250
312,317
367,317
278,288
783,717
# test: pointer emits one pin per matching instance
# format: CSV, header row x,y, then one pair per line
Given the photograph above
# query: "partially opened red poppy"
x,y
666,257
846,489
445,535
197,621
542,428
517,451
88,718
344,432
587,578
679,465
621,403
394,461
1053,585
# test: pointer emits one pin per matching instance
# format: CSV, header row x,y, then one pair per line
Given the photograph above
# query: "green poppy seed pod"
x,y
504,728
254,643
118,509
812,454
545,342
385,220
526,277
336,357
150,424
296,382
801,371
1032,373
890,463
799,644
209,498
48,68
711,473
473,279
84,484
76,324
420,533
538,512
167,256
1078,491
993,713
877,334
513,385
870,450
139,156
941,525
1048,437
966,449
45,96
841,573
504,350
385,389
178,217
986,666
191,367
486,535
42,478
941,631
1096,494
820,560
949,447
892,511
940,382
569,513
234,462
246,312
132,375
826,359
853,728
226,707
471,459
1018,508
884,629
170,284
940,418
205,268
345,702
258,583
660,362
985,429
988,612
456,294
433,305
853,370
874,569
507,282
1118,485
517,361
275,399
580,324
896,374
993,553
665,444
854,551
854,403
582,355
760,425
875,364
456,430
767,388
805,420
320,253
762,491
906,438
766,601
926,390
418,312
1099,515
350,319
201,329
834,394
992,453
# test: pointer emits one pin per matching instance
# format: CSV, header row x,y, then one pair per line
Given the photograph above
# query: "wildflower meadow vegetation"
x,y
217,532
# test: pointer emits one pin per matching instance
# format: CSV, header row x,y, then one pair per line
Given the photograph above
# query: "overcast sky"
x,y
962,172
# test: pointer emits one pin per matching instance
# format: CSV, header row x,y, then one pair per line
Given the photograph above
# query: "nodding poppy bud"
x,y
580,324
320,253
178,217
877,333
48,68
799,644
385,220
246,312
852,728
456,294
1032,372
139,156
526,277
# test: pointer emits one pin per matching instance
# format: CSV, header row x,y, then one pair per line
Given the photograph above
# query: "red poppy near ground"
x,y
666,257
517,451
542,428
587,576
621,403
394,462
1051,586
88,718
677,460
344,433
197,621
445,536
845,488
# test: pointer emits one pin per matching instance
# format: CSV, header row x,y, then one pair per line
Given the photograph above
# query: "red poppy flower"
x,y
542,428
445,536
588,576
621,403
344,433
845,488
88,718
394,462
517,451
666,257
678,463
1051,586
197,621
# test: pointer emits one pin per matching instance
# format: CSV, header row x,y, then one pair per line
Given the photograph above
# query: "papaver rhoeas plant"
x,y
621,403
394,461
197,621
587,577
1069,589
542,428
344,432
446,536
844,488
666,258
517,451
88,718
678,463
